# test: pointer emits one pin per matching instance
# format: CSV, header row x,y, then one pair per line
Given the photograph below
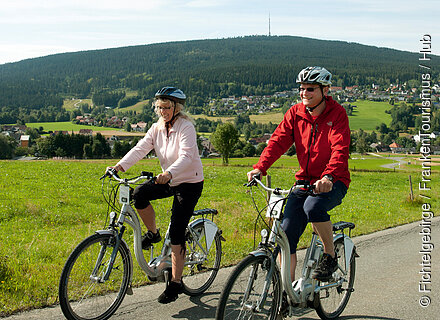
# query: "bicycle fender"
x,y
259,253
349,248
109,232
211,230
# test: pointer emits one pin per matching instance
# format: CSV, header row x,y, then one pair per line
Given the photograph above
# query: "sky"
x,y
35,28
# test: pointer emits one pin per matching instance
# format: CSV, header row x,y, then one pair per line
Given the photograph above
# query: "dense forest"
x,y
253,65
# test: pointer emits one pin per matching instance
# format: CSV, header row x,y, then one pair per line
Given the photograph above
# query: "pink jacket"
x,y
177,153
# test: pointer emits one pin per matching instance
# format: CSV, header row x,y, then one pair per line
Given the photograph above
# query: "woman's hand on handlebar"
x,y
163,178
117,168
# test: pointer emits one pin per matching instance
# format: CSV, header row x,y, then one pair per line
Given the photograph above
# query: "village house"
x,y
139,127
86,132
263,139
396,148
24,141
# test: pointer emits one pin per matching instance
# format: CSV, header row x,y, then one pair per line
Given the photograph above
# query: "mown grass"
x,y
72,104
369,114
65,126
48,207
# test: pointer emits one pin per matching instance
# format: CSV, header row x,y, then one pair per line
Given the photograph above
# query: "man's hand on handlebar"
x,y
322,186
251,174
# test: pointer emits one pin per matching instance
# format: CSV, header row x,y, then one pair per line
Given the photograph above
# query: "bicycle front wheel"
x,y
83,292
332,301
249,292
202,260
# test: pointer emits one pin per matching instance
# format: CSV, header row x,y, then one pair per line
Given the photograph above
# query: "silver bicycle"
x,y
259,289
98,273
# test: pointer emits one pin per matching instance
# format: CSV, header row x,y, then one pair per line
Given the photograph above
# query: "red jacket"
x,y
322,145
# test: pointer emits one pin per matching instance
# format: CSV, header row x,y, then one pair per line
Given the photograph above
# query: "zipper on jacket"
x,y
313,132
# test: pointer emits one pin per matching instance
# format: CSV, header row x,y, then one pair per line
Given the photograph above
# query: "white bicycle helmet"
x,y
315,75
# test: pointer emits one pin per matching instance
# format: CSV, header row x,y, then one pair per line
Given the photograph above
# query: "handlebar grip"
x,y
147,174
252,182
110,172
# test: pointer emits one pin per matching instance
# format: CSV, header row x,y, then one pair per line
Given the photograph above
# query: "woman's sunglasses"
x,y
309,89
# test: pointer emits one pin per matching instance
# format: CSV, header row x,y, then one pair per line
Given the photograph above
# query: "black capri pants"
x,y
185,195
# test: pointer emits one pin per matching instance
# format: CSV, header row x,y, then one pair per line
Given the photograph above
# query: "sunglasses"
x,y
164,108
310,89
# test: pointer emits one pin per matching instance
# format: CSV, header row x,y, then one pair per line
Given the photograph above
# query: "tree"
x,y
224,139
260,148
249,150
88,153
6,147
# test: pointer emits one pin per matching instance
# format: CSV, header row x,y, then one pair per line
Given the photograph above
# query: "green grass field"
x,y
47,207
65,126
369,114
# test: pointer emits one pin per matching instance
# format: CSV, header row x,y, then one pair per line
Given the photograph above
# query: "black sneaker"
x,y
171,292
327,265
149,238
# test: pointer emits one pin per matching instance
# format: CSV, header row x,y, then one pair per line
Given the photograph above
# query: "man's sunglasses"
x,y
309,89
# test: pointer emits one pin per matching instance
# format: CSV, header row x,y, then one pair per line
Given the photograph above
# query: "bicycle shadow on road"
x,y
355,317
204,307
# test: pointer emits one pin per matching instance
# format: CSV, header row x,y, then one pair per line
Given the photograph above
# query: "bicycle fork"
x,y
94,276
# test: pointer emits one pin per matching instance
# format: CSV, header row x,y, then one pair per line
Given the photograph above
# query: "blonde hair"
x,y
177,110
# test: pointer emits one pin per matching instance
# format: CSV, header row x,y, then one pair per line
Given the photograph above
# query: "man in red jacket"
x,y
318,126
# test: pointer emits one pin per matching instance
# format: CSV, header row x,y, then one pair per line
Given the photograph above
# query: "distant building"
x,y
395,148
60,132
86,132
24,141
139,127
256,141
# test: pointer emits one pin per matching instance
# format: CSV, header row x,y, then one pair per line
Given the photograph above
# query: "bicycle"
x,y
258,289
98,273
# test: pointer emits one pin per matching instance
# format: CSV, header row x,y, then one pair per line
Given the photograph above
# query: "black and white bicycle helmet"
x,y
315,75
171,93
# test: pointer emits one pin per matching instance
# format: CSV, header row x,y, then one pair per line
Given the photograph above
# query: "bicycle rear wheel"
x,y
83,293
202,260
332,301
241,298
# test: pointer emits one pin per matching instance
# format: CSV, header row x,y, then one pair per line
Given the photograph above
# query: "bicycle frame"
x,y
304,288
157,266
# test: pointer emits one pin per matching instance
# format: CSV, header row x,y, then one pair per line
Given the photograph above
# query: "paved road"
x,y
386,286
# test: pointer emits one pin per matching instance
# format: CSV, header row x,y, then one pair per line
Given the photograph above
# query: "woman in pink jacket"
x,y
174,140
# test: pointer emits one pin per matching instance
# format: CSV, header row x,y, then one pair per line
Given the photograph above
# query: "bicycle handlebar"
x,y
300,185
112,173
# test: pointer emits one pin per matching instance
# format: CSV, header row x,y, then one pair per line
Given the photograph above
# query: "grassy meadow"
x,y
48,207
369,114
66,126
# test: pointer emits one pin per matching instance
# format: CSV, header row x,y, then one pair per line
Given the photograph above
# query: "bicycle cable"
x,y
259,212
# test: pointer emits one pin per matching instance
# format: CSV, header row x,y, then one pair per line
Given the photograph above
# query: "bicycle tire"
x,y
333,301
250,273
197,278
83,298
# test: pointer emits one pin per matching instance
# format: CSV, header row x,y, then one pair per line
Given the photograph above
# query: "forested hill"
x,y
206,68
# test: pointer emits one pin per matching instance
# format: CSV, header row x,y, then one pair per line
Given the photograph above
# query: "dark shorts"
x,y
301,209
185,200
